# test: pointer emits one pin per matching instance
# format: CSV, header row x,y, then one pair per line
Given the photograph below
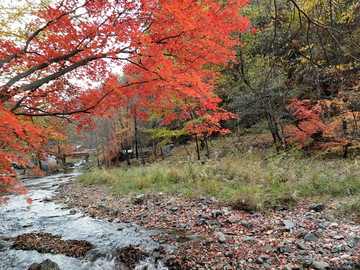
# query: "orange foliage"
x,y
61,67
18,139
309,129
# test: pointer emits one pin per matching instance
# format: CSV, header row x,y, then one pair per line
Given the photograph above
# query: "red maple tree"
x,y
60,64
309,130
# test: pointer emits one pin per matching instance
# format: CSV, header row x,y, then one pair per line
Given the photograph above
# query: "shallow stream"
x,y
17,218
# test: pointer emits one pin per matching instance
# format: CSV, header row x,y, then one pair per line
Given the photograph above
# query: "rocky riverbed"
x,y
208,234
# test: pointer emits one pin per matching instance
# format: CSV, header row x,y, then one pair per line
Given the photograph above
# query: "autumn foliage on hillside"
x,y
323,124
57,60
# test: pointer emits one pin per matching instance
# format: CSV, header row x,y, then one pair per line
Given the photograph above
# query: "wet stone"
x,y
46,199
128,257
45,265
48,243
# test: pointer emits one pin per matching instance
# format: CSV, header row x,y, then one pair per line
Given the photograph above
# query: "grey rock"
x,y
311,237
220,236
46,199
317,207
139,199
267,265
201,222
329,218
233,219
247,224
289,225
226,212
216,213
143,222
341,247
261,259
283,249
305,261
349,267
255,215
72,212
174,209
101,205
354,241
319,265
300,246
248,239
124,226
288,267
45,265
335,259
280,208
116,220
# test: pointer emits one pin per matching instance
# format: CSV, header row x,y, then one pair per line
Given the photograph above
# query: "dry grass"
x,y
249,179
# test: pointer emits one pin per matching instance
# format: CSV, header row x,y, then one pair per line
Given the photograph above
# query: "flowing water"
x,y
49,217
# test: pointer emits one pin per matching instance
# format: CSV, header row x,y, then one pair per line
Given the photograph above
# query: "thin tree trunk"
x,y
207,147
136,139
197,147
187,151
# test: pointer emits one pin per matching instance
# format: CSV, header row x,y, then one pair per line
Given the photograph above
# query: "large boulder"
x,y
45,265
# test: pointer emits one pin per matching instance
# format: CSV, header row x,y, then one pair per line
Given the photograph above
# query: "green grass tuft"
x,y
246,179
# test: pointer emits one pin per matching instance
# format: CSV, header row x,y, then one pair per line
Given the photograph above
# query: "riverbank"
x,y
209,234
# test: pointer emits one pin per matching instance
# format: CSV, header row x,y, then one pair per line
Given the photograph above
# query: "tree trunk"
x,y
346,150
197,147
136,139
